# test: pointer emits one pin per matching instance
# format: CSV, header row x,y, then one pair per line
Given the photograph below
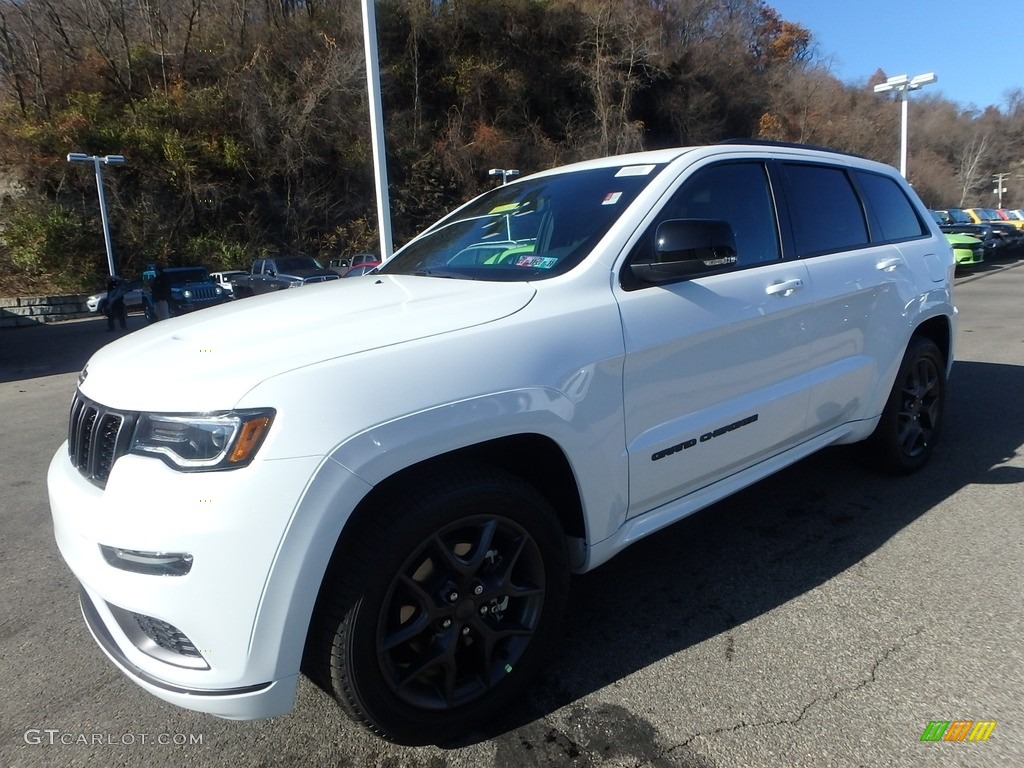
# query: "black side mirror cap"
x,y
686,248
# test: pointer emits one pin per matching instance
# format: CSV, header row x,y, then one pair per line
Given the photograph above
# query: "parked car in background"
x,y
993,215
983,232
281,272
1010,239
223,279
174,291
967,250
1007,215
343,264
132,299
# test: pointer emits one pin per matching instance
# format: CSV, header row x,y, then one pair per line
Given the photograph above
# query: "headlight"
x,y
202,441
187,293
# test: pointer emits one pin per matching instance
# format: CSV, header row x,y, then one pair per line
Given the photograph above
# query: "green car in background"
x,y
967,250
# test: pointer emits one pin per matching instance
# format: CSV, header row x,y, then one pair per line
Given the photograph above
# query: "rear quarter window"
x,y
892,214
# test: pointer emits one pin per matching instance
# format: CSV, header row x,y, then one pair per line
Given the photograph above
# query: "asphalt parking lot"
x,y
823,617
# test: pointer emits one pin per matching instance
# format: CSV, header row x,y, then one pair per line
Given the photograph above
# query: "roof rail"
x,y
790,145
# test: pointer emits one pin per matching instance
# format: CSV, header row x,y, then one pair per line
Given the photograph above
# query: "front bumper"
x,y
240,659
242,703
966,256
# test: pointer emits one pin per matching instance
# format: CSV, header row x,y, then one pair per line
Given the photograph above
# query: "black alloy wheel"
x,y
911,423
441,606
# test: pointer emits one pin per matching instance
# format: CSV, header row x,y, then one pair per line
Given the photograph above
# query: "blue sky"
x,y
975,49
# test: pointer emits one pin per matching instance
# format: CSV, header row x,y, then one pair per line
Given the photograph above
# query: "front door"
x,y
715,374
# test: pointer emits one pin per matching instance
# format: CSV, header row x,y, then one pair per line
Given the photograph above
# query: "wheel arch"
x,y
939,331
534,458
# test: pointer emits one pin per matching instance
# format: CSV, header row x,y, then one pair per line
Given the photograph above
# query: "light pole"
x,y
903,85
380,165
98,163
504,173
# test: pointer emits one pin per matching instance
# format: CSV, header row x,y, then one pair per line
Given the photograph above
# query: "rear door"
x,y
855,256
716,367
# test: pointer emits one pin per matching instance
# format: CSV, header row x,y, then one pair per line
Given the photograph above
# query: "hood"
x,y
209,359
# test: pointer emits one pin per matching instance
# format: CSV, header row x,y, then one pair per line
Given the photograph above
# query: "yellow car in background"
x,y
980,215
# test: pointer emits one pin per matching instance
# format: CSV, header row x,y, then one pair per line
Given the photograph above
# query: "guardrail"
x,y
31,310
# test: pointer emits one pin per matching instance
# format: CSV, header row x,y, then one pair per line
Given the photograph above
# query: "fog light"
x,y
148,563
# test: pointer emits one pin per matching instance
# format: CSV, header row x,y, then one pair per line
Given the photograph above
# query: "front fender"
x,y
587,430
348,474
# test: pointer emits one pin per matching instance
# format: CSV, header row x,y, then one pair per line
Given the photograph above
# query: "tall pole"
x,y
903,85
380,166
98,163
103,216
903,133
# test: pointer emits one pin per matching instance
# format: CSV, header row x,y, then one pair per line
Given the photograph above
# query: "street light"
x,y
903,85
505,174
98,163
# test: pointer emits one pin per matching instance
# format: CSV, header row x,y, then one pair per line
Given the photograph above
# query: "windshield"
x,y
179,276
293,263
525,231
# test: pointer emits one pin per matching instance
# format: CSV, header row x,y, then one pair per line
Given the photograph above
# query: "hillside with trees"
x,y
245,122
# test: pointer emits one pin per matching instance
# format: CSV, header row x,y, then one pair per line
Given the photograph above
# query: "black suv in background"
x,y
174,291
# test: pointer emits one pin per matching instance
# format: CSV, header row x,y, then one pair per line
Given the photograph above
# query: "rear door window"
x,y
826,212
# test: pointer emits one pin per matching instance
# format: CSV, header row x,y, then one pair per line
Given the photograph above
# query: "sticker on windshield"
x,y
537,262
504,208
611,198
634,170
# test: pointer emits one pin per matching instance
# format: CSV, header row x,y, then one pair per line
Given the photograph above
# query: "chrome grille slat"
x,y
97,437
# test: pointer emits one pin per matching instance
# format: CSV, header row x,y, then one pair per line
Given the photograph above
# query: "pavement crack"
x,y
868,679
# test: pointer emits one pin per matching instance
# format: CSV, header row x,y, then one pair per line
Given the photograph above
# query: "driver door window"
x,y
737,193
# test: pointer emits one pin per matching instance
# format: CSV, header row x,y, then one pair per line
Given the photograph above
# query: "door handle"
x,y
784,287
888,265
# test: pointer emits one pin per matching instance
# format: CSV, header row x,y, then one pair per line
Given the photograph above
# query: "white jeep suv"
x,y
560,367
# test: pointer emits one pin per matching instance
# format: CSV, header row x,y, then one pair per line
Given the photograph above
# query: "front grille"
x,y
204,293
165,635
97,437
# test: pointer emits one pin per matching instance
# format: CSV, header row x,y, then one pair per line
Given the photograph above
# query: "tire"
x,y
442,606
912,420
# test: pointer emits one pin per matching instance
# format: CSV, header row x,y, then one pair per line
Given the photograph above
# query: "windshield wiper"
x,y
445,274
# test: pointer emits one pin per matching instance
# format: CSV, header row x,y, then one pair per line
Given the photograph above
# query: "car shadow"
x,y
765,546
47,349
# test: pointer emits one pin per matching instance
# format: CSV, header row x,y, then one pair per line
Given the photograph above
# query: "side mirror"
x,y
685,248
